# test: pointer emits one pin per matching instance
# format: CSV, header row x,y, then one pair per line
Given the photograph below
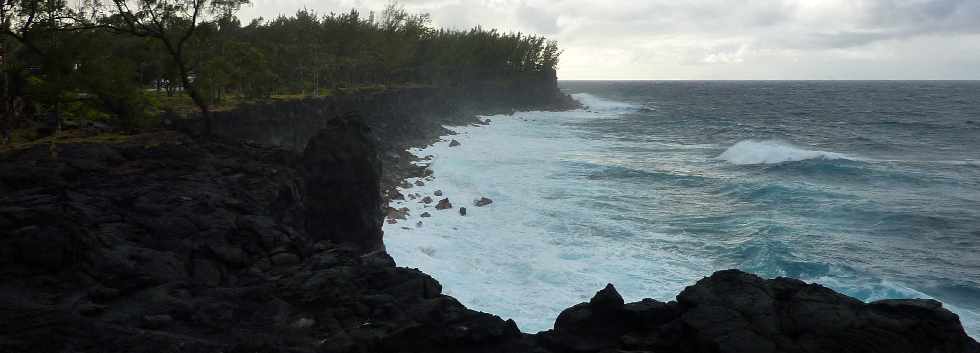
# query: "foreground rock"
x,y
733,311
166,244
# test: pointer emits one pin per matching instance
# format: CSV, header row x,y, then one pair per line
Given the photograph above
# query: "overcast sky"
x,y
720,39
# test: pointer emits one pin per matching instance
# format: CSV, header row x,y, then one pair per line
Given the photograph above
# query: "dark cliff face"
x,y
342,176
166,244
399,116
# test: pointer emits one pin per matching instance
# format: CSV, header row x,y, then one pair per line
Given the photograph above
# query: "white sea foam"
x,y
543,245
600,105
536,250
772,152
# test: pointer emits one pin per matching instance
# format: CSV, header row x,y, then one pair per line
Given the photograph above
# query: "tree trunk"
x,y
201,103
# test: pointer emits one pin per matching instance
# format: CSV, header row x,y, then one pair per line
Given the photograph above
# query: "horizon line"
x,y
763,79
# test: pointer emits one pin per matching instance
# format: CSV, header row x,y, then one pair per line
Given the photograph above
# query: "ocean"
x,y
869,188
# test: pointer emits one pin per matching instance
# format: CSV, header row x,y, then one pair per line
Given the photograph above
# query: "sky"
x,y
719,39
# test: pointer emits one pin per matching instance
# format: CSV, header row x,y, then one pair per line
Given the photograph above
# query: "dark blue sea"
x,y
870,188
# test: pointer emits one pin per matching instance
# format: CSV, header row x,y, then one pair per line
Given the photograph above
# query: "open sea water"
x,y
870,188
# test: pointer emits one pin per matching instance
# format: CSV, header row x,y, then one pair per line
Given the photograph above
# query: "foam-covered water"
x,y
872,189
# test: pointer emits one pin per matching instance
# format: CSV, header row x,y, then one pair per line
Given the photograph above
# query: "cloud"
x,y
704,39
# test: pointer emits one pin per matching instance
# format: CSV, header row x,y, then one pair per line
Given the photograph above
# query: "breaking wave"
x,y
750,152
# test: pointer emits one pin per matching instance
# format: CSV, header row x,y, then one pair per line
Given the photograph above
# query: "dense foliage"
x,y
128,59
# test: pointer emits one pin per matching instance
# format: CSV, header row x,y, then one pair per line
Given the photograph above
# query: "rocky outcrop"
x,y
342,176
166,244
733,311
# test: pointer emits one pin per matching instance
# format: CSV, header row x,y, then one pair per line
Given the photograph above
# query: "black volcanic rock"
x,y
733,311
342,172
165,244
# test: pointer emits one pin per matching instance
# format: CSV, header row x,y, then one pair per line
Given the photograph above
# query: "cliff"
x,y
166,243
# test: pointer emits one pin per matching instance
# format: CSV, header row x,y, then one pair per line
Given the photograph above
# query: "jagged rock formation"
x,y
733,311
165,244
342,175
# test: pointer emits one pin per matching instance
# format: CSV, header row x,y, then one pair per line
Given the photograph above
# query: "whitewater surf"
x,y
651,187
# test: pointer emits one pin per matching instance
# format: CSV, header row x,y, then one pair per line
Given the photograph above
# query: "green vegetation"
x,y
127,62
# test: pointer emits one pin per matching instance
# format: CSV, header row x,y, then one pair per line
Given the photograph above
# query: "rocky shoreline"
x,y
163,242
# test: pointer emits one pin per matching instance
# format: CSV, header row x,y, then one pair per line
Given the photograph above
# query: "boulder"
x,y
426,215
454,143
419,183
462,211
483,201
426,200
437,193
444,204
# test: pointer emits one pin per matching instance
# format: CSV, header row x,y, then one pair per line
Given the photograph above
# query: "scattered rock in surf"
x,y
462,211
438,193
483,201
485,122
401,213
419,224
419,183
406,185
426,200
392,221
412,197
426,215
444,205
454,143
395,195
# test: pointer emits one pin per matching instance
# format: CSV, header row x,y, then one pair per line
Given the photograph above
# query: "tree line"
x,y
114,60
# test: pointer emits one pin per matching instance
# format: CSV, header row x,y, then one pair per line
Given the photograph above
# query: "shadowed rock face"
x,y
342,172
733,311
166,244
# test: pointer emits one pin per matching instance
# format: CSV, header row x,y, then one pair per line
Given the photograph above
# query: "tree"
x,y
173,23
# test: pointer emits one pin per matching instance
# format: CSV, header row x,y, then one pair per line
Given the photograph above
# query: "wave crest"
x,y
749,152
603,105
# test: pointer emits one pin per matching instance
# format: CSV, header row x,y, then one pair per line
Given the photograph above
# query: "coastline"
x,y
199,246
